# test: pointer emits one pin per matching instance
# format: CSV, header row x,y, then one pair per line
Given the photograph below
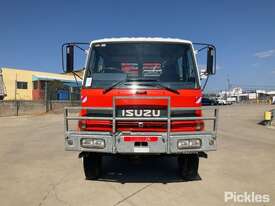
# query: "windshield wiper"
x,y
121,82
157,84
141,80
113,86
164,87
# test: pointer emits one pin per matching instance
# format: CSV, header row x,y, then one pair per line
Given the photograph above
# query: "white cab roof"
x,y
141,39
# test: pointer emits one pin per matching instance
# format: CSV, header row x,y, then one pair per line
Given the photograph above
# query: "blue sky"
x,y
31,32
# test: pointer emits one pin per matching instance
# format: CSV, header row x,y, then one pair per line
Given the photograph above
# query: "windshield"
x,y
149,64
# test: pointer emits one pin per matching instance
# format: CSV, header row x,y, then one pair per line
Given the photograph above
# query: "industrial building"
x,y
19,84
237,94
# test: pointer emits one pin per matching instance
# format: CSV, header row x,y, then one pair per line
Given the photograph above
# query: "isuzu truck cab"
x,y
141,97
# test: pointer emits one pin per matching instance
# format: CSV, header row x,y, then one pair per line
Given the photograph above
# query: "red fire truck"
x,y
141,97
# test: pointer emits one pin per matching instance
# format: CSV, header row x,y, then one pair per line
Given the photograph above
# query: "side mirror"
x,y
69,58
211,65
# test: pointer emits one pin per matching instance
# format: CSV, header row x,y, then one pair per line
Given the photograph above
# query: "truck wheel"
x,y
188,166
92,166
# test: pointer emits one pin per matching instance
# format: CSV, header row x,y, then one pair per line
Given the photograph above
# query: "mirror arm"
x,y
75,78
77,75
205,83
203,48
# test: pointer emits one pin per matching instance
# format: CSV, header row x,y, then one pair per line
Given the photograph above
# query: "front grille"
x,y
99,113
145,126
95,125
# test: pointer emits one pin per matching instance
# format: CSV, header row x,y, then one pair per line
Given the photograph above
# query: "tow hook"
x,y
82,154
203,154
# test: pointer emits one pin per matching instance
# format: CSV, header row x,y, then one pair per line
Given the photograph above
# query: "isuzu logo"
x,y
140,113
140,124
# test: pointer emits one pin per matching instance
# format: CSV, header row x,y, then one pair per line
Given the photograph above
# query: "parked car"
x,y
208,102
221,101
231,100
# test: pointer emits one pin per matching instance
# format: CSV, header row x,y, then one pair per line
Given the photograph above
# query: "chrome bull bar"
x,y
113,138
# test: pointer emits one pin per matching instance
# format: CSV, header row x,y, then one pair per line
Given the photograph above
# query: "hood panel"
x,y
96,98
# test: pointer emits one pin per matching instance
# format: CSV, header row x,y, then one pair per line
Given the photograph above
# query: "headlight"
x,y
189,143
92,143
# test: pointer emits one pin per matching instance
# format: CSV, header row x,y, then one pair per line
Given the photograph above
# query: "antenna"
x,y
228,83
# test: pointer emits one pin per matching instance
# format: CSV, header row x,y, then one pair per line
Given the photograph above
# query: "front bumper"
x,y
165,144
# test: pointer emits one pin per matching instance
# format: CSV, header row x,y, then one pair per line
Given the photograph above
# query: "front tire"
x,y
92,166
188,166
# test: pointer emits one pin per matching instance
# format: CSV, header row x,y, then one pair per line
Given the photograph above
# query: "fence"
x,y
265,101
23,107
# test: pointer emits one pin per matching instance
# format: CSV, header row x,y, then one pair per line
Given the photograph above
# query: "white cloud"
x,y
265,54
273,72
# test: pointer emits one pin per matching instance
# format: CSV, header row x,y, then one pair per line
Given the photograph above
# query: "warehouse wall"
x,y
10,76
